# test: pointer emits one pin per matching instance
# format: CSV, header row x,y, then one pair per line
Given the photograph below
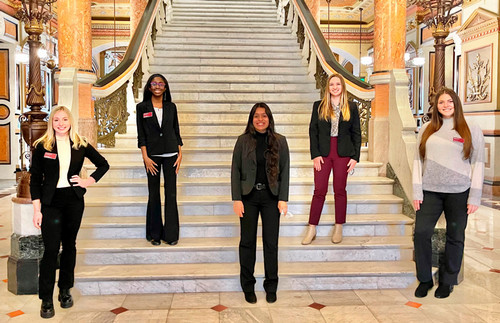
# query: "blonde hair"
x,y
325,111
49,137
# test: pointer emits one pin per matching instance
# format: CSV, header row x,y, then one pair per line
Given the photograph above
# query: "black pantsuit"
x,y
454,206
61,221
169,231
244,173
62,210
265,203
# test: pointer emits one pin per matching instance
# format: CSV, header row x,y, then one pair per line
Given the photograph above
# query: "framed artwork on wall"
x,y
478,78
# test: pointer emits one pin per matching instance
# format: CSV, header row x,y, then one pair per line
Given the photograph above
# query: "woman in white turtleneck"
x,y
57,193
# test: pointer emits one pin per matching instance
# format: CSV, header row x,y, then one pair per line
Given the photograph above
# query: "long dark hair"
x,y
147,94
459,123
272,152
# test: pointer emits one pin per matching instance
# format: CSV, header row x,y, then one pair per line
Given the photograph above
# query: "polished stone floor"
x,y
476,299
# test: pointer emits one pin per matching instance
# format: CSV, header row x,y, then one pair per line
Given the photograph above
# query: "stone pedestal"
x,y
26,250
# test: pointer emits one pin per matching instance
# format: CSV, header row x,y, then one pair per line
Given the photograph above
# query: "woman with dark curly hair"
x,y
259,184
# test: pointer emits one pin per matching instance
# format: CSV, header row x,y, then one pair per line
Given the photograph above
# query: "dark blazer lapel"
x,y
151,109
166,114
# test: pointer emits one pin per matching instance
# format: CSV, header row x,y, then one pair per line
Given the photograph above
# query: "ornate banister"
x,y
110,91
320,59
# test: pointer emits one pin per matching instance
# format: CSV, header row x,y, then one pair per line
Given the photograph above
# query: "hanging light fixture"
x,y
328,35
360,22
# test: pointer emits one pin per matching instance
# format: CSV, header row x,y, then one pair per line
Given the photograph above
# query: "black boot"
x,y
271,297
250,297
47,309
423,288
65,298
443,290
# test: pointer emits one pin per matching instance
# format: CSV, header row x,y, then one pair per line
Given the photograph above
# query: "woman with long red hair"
x,y
448,173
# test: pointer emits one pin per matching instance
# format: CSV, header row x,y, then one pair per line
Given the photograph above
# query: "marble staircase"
x,y
220,57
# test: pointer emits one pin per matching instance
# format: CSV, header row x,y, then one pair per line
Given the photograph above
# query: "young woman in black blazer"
x,y
159,139
335,143
57,196
260,174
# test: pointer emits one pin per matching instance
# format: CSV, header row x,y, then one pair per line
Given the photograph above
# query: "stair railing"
x,y
112,90
321,62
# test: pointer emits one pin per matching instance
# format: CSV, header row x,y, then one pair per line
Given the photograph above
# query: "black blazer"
x,y
349,135
45,170
244,170
158,139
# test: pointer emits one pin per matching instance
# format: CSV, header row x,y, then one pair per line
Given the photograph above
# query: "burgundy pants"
x,y
339,166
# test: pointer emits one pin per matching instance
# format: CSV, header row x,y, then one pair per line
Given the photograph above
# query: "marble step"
x,y
226,41
222,205
233,107
225,2
129,140
222,69
240,78
225,250
224,12
242,62
212,54
228,87
229,23
202,169
172,33
243,30
219,226
225,19
193,154
237,118
222,186
233,97
276,107
223,48
177,278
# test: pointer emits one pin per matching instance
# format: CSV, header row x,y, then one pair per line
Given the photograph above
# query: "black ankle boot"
x,y
47,309
423,288
250,297
65,298
443,290
271,297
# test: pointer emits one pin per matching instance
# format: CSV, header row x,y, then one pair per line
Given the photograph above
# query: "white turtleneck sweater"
x,y
444,169
64,156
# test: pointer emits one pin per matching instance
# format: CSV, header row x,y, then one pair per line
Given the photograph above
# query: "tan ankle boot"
x,y
337,233
310,234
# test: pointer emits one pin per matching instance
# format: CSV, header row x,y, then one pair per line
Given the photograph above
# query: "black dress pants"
x,y
454,206
155,229
266,204
60,224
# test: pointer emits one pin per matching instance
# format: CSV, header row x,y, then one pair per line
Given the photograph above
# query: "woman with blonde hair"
x,y
57,195
448,174
335,144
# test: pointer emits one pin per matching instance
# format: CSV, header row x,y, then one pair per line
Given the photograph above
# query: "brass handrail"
x,y
320,59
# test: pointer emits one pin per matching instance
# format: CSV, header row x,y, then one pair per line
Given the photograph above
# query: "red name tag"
x,y
50,155
147,115
458,139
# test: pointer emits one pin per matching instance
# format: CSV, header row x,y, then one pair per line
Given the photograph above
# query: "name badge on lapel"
x,y
147,115
50,155
458,139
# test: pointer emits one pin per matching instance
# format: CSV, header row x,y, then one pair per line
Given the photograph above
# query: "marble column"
x,y
389,48
314,6
75,60
136,10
